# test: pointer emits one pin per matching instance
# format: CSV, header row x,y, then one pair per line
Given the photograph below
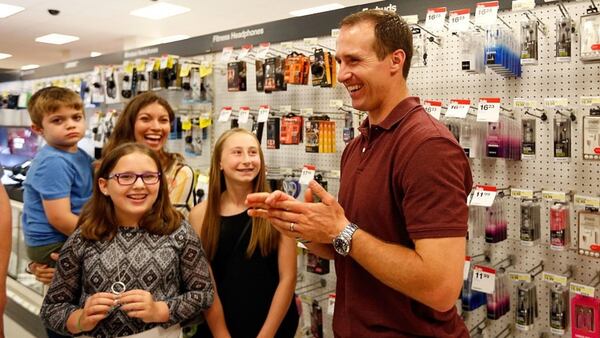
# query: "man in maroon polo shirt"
x,y
398,232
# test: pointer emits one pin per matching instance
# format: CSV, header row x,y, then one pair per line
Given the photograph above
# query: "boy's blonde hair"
x,y
50,99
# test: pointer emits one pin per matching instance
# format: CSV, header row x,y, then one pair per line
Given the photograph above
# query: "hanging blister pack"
x,y
585,317
528,138
558,316
590,37
591,137
564,30
530,222
559,226
562,137
529,42
527,306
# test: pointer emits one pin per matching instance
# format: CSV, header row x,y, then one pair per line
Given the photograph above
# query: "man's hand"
x,y
315,222
42,272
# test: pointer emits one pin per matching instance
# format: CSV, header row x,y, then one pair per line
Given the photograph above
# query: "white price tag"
x,y
287,45
306,111
411,19
557,196
589,100
434,108
308,173
524,103
309,42
244,51
522,5
225,114
150,65
554,278
335,32
484,279
489,109
436,18
458,21
482,196
285,109
466,268
519,277
243,114
581,289
587,201
263,113
458,108
336,103
263,49
554,102
521,193
486,13
164,61
226,54
331,304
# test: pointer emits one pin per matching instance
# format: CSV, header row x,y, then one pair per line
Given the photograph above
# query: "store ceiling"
x,y
105,26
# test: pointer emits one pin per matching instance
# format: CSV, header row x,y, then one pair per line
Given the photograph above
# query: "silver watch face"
x,y
341,246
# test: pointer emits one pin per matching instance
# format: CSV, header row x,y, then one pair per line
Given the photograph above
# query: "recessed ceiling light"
x,y
8,10
317,9
94,54
171,38
57,39
4,56
29,67
159,11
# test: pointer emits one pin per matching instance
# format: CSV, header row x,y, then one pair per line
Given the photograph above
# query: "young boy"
x,y
59,181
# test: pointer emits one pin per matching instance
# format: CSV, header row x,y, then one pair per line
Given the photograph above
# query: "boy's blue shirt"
x,y
54,174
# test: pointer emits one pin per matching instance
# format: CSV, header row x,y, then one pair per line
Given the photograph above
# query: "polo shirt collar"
x,y
399,112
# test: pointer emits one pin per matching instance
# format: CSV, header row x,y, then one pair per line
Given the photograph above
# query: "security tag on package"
x,y
467,267
482,195
484,279
458,21
581,289
225,114
489,109
486,13
331,304
263,113
436,19
434,108
243,114
554,278
308,174
226,54
458,108
521,193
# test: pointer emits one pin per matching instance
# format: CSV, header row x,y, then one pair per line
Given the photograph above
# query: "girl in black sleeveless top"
x,y
253,266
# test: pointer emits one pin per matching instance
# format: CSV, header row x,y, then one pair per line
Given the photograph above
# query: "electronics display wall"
x,y
442,79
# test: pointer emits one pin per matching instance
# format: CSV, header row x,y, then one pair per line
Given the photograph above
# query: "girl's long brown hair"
x,y
98,220
124,130
263,235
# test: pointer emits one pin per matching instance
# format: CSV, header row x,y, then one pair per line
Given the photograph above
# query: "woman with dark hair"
x,y
147,119
133,266
254,267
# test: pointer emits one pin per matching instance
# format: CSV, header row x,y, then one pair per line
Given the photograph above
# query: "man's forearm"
x,y
429,277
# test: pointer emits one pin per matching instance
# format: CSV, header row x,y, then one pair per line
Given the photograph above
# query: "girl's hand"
x,y
140,304
95,309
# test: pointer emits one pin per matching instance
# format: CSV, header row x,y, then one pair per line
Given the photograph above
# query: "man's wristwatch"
x,y
342,243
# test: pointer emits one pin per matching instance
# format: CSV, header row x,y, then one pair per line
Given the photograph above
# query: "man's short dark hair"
x,y
391,33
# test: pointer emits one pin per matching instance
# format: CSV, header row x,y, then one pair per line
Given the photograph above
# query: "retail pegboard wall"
x,y
442,79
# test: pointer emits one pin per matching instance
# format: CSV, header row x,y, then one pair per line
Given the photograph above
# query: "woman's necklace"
x,y
118,287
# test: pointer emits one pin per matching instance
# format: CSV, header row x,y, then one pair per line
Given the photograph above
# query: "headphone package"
x,y
236,76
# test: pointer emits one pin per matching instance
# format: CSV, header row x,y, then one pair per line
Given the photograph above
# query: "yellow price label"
x,y
128,67
554,278
205,69
205,122
592,202
525,103
581,289
521,193
520,277
185,70
589,100
554,196
186,124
